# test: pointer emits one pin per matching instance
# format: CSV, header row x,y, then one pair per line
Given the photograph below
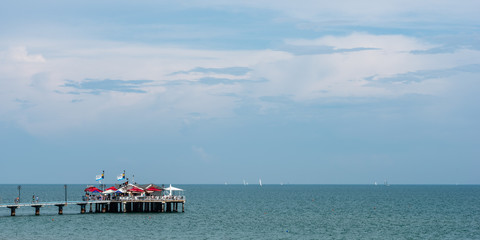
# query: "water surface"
x,y
268,212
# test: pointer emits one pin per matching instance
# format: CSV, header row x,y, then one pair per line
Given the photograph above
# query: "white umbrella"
x,y
172,189
108,191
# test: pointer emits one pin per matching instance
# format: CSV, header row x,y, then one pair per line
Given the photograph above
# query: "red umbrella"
x,y
93,189
153,189
111,188
135,189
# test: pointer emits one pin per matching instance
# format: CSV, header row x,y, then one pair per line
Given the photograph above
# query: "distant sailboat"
x,y
386,183
375,183
260,181
244,183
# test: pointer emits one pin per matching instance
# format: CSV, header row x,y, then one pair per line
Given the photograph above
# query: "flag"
x,y
121,177
100,177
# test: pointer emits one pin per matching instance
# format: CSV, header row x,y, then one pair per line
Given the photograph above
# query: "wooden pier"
x,y
109,206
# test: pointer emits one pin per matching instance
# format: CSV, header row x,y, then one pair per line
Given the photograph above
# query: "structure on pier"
x,y
126,199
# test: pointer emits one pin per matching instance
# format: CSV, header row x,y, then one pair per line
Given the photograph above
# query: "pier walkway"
x,y
122,205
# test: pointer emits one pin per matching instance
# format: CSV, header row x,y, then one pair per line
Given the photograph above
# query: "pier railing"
x,y
150,198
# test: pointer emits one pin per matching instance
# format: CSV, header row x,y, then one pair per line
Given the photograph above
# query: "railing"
x,y
150,198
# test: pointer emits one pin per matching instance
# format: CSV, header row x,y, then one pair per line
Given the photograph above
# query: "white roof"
x,y
172,188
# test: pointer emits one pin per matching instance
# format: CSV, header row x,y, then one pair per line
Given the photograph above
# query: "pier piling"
x,y
60,208
12,210
82,208
37,209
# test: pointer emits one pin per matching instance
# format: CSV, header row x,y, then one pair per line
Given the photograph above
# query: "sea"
x,y
254,212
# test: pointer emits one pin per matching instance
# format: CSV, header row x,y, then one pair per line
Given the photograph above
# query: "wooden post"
x,y
12,210
60,209
82,208
183,207
37,209
129,207
104,207
91,207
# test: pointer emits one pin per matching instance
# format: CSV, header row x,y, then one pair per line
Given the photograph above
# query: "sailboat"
x,y
260,181
244,183
386,183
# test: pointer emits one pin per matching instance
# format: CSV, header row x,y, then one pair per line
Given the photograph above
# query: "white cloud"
x,y
35,96
200,152
391,43
20,54
372,12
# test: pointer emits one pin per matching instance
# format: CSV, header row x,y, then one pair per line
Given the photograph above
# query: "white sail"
x,y
260,181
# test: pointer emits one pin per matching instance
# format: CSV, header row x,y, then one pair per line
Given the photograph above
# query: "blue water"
x,y
268,212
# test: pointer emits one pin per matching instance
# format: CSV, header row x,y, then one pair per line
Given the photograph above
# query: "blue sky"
x,y
221,91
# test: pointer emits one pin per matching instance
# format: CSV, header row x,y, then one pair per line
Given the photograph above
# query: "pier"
x,y
108,206
129,198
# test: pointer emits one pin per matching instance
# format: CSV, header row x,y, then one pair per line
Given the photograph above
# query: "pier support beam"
x,y
12,210
91,207
104,207
129,206
60,208
168,207
183,207
82,208
37,209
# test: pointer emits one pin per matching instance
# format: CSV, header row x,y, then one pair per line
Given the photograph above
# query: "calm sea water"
x,y
268,212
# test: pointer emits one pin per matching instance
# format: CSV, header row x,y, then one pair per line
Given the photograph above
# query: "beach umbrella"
x,y
121,190
93,189
108,191
135,189
111,188
153,189
96,190
171,189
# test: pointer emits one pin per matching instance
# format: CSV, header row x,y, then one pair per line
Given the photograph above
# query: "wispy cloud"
x,y
20,54
94,86
202,154
314,50
422,75
235,71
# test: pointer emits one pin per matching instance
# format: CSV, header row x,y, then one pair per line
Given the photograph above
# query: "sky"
x,y
208,92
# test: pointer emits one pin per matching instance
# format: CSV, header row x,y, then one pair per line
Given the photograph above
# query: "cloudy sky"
x,y
220,91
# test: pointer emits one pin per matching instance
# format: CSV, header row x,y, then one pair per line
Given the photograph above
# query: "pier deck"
x,y
111,206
